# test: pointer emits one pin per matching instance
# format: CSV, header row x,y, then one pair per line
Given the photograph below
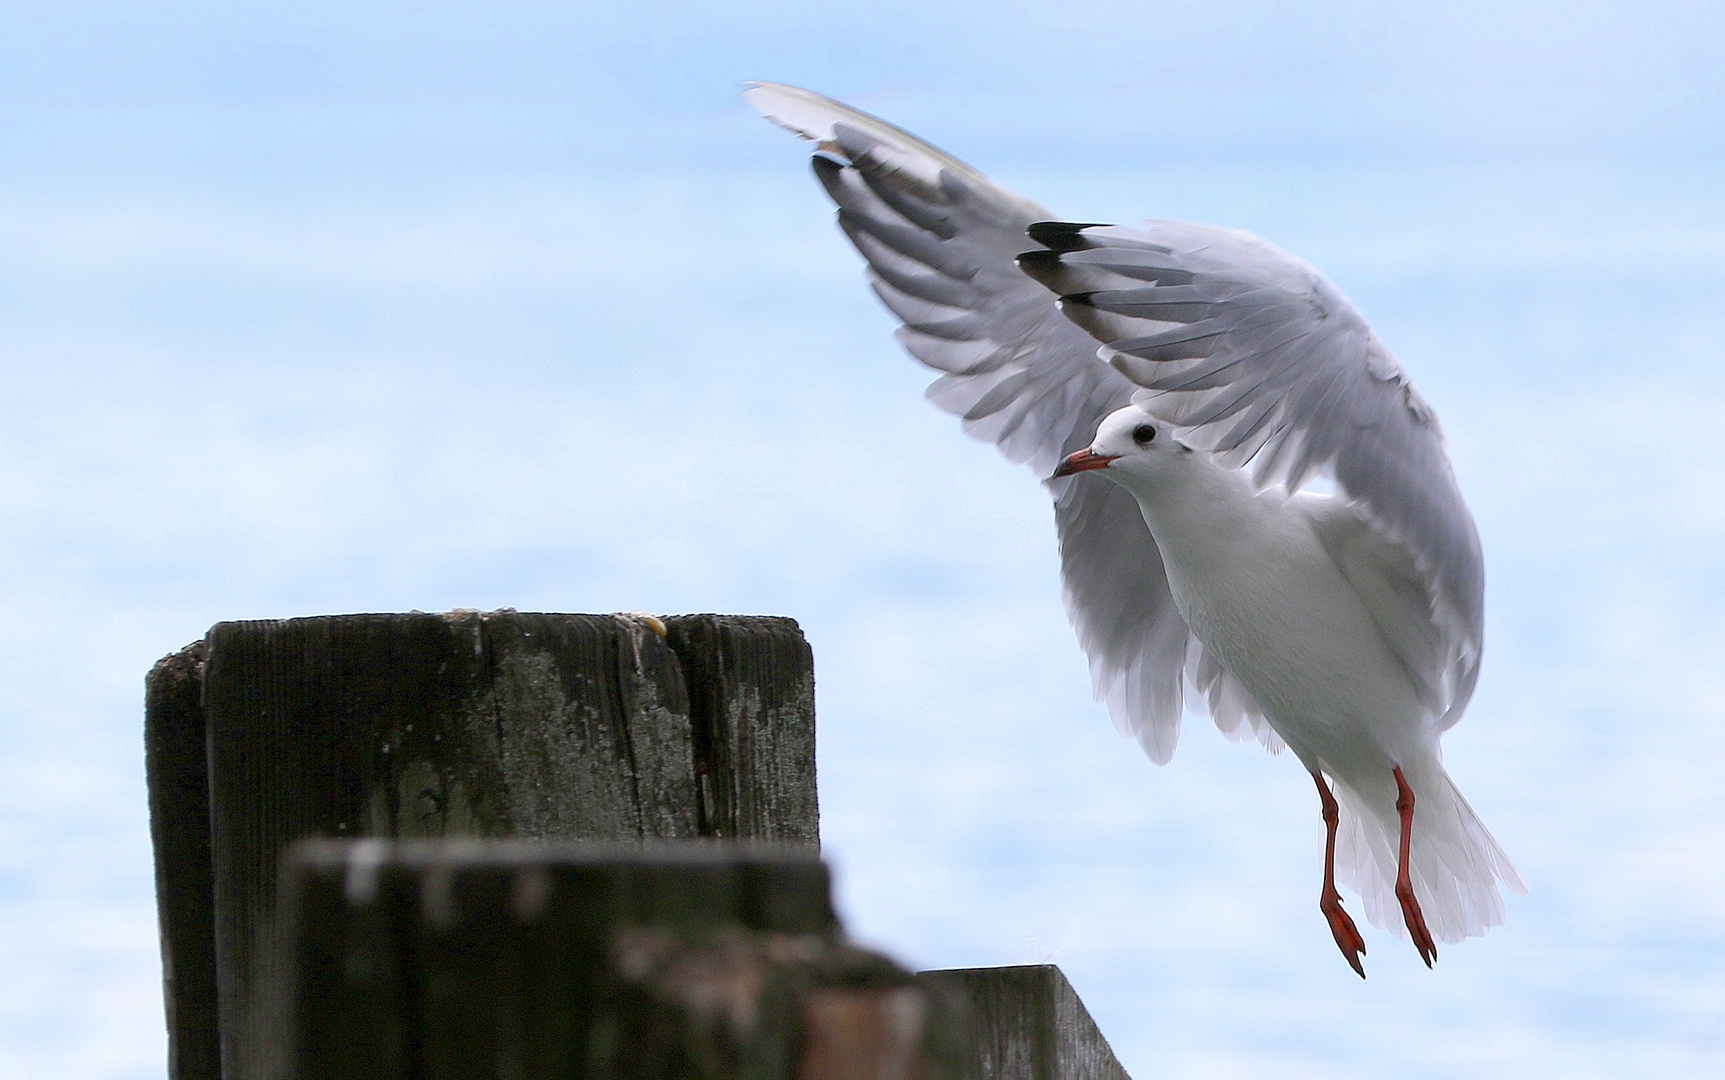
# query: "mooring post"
x,y
503,724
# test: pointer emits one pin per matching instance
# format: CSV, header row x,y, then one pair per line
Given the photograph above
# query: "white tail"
x,y
1454,862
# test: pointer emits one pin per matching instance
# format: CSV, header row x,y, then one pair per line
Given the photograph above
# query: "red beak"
x,y
1083,461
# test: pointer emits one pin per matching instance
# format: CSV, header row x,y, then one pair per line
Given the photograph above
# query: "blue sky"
x,y
317,308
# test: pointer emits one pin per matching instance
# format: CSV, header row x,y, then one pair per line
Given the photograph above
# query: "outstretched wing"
x,y
1259,359
940,240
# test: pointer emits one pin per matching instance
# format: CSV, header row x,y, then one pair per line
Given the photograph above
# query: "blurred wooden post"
x,y
531,961
1027,1023
419,725
424,960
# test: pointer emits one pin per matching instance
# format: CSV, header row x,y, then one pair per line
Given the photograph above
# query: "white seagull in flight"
x,y
1346,627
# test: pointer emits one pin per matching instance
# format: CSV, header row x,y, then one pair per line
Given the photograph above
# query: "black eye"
x,y
1144,434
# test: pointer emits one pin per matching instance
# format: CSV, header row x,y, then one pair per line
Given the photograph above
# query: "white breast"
x,y
1257,587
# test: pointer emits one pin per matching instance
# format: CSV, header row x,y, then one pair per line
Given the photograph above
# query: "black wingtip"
x,y
830,172
1042,266
1062,235
1039,263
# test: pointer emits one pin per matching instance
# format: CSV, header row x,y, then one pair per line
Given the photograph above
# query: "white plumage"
x,y
1346,627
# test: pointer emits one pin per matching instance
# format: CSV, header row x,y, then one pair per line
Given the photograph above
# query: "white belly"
x,y
1256,586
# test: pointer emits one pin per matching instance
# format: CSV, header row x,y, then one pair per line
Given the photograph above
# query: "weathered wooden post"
x,y
179,783
501,724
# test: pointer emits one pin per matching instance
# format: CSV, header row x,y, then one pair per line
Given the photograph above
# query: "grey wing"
x,y
1259,359
941,241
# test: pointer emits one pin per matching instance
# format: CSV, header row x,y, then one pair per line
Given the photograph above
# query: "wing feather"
x,y
941,242
1261,360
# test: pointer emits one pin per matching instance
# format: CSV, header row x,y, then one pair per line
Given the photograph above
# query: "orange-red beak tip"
x,y
1082,461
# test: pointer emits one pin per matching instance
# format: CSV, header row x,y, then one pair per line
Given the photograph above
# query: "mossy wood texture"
x,y
503,724
751,680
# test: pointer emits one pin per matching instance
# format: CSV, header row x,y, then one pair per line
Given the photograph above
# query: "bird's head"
x,y
1130,441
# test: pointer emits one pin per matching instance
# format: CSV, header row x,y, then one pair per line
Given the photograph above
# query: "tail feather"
x,y
1454,863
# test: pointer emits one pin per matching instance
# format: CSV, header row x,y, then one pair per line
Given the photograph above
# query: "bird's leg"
x,y
1404,884
1330,902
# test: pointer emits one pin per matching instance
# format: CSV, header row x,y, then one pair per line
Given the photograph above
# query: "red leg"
x,y
1404,884
1330,902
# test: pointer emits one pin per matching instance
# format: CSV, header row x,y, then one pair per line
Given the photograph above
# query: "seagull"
x,y
1255,511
